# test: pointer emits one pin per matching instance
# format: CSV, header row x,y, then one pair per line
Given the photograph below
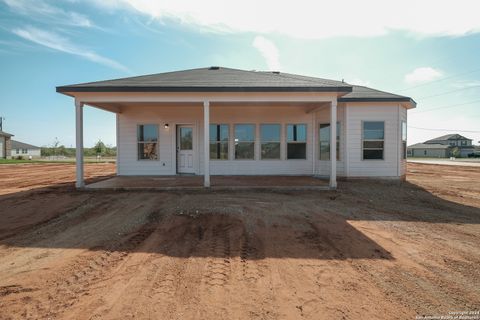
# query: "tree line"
x,y
100,149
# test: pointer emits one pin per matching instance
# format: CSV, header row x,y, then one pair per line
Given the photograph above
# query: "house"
x,y
5,145
221,121
25,150
442,147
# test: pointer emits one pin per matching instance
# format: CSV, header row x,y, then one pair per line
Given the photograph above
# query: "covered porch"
x,y
217,183
169,111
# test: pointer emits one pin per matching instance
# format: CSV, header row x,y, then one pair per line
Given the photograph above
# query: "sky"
x,y
428,50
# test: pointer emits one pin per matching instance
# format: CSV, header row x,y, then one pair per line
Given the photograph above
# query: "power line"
x,y
445,93
444,107
431,129
439,80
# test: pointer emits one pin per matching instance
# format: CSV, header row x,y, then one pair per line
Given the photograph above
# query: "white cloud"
x,y
423,74
315,19
54,41
269,51
466,84
41,10
358,81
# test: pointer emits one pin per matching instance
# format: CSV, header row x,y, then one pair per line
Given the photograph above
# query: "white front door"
x,y
185,153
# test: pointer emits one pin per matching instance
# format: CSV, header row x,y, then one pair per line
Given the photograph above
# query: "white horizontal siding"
x,y
403,162
323,117
389,114
128,163
231,115
262,115
35,153
350,164
2,147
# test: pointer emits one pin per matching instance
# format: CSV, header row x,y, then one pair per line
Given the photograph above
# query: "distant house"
x,y
442,147
5,145
25,150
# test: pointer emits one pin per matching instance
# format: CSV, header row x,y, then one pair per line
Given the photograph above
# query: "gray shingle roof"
x,y
454,136
4,134
219,79
362,93
212,79
429,146
21,145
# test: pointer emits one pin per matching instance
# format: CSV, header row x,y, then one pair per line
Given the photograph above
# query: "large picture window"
x,y
147,141
296,141
270,139
324,138
219,141
404,139
373,140
245,141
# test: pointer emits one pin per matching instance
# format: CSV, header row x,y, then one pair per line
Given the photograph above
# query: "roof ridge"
x,y
311,79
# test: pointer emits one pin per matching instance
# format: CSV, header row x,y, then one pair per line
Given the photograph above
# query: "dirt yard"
x,y
371,250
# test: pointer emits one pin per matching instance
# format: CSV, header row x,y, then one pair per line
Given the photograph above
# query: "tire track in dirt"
x,y
248,254
218,266
87,272
74,281
178,274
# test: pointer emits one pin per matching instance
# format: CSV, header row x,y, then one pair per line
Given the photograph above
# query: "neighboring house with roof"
x,y
25,150
442,147
5,145
221,121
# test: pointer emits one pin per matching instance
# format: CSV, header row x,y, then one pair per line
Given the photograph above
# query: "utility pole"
x,y
1,123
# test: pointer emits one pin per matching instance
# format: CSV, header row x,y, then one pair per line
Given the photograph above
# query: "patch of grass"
x,y
15,161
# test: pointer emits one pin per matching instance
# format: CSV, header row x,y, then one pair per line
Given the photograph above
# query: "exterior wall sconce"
x,y
166,126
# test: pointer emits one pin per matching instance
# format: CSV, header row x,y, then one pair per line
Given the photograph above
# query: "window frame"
x,y
254,141
363,140
220,141
270,141
157,142
296,142
339,135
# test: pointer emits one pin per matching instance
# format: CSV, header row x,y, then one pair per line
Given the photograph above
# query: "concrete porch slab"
x,y
192,183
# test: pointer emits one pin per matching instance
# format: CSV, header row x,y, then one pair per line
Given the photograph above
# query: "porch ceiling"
x,y
119,107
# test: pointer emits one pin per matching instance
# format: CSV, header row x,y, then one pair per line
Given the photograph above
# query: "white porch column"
x,y
333,144
80,183
206,143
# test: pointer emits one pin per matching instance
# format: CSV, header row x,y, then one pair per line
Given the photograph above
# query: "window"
x,y
245,141
324,139
270,139
296,141
404,139
464,142
147,138
17,151
186,138
373,140
24,151
219,141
